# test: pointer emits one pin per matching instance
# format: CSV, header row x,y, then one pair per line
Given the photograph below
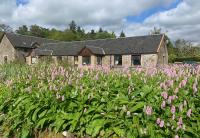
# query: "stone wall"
x,y
163,54
106,60
149,60
80,63
93,60
69,60
6,50
126,60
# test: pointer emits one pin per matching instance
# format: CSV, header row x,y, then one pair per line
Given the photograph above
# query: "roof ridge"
x,y
107,39
32,36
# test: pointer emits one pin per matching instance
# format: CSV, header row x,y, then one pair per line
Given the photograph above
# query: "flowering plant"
x,y
99,102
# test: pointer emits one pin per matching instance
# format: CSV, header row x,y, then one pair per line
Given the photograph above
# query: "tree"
x,y
155,31
22,30
5,28
100,30
38,31
122,34
79,29
185,48
73,26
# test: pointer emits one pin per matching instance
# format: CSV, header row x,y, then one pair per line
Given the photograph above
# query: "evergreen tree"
x,y
73,26
100,30
79,29
122,34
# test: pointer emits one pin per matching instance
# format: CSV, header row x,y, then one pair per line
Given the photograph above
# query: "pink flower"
x,y
176,136
163,105
148,110
161,85
158,121
182,83
162,123
170,97
170,83
189,112
173,109
164,95
174,97
180,122
164,86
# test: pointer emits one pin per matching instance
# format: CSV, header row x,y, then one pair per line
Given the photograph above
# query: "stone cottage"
x,y
121,52
20,47
130,51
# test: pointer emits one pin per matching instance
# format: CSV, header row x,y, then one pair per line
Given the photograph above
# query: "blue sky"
x,y
145,14
18,2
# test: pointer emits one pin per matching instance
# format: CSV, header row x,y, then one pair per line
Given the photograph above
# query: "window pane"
x,y
136,60
86,60
99,60
5,59
118,59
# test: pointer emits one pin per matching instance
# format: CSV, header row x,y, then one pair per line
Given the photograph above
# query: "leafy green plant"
x,y
99,102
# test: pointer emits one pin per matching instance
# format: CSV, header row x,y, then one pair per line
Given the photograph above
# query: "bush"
x,y
182,59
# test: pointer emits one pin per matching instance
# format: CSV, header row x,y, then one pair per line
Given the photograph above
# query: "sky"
x,y
177,18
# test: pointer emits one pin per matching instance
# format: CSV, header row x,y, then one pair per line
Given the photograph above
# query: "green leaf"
x,y
35,114
95,127
139,105
120,132
25,132
43,113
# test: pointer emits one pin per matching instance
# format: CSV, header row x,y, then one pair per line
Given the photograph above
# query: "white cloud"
x,y
7,8
95,12
180,22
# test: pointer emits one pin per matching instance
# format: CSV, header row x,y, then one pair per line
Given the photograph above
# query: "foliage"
x,y
179,51
23,30
5,28
156,31
181,59
72,33
122,34
100,102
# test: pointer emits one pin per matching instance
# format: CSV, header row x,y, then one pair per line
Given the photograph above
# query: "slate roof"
x,y
23,41
60,49
127,45
96,50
